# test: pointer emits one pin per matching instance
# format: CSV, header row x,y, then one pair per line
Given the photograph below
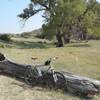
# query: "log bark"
x,y
11,68
70,76
79,84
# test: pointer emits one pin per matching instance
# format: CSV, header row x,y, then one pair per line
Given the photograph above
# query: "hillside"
x,y
31,33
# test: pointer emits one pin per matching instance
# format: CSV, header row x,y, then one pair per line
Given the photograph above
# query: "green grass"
x,y
79,58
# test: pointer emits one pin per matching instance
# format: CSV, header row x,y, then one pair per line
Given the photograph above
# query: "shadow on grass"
x,y
30,45
79,45
26,44
81,97
37,44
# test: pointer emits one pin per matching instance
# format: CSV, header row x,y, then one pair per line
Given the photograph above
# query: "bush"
x,y
5,37
2,46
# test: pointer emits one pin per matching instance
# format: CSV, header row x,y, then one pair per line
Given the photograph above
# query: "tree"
x,y
48,9
96,28
71,14
61,16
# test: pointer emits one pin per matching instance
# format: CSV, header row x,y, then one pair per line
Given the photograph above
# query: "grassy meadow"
x,y
79,58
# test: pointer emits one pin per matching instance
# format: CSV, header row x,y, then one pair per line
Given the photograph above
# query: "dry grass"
x,y
81,58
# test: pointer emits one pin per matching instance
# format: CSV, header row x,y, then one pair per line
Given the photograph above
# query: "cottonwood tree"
x,y
48,9
62,17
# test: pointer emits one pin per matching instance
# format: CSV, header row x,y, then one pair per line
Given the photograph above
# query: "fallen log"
x,y
74,83
11,68
71,76
14,69
81,85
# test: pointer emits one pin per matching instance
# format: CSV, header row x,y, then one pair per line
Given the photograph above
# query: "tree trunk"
x,y
59,40
66,38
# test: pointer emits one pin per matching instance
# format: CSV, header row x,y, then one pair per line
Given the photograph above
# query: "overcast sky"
x,y
10,23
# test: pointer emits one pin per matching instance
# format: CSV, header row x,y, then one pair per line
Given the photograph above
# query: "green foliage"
x,y
2,46
5,37
81,14
65,15
48,31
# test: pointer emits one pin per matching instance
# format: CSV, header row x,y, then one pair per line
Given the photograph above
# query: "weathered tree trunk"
x,y
74,83
79,83
15,69
11,68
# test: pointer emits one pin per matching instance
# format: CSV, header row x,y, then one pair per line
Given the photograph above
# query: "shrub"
x,y
2,46
5,37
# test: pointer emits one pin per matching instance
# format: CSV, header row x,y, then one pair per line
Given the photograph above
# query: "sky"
x,y
10,23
